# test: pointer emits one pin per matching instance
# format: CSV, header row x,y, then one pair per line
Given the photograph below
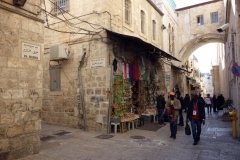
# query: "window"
x,y
128,12
200,20
214,17
142,21
55,78
169,38
154,29
59,6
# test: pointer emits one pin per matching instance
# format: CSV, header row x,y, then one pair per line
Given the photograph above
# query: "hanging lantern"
x,y
19,2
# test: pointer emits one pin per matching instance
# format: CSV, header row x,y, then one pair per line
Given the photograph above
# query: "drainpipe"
x,y
110,102
81,92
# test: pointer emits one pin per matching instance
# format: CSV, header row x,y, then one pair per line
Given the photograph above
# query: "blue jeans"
x,y
160,116
173,126
180,117
196,129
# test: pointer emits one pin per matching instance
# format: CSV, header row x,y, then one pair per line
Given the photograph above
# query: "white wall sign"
x,y
31,51
96,63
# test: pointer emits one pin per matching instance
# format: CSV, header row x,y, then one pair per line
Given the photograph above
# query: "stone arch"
x,y
198,41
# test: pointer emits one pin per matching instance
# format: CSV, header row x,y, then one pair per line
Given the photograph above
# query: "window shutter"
x,y
55,78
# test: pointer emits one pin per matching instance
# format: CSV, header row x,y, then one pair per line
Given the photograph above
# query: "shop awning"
x,y
157,52
191,79
179,68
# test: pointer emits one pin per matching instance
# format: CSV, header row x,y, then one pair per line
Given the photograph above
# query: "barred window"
x,y
154,29
60,6
55,78
128,12
143,21
214,17
200,20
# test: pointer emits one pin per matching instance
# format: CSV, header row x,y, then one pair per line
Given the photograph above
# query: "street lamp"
x,y
19,2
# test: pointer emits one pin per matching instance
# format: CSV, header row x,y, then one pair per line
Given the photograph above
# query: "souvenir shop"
x,y
134,85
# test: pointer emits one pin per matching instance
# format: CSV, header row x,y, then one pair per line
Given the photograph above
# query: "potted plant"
x,y
226,116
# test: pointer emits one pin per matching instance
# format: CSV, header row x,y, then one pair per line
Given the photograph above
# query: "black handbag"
x,y
187,129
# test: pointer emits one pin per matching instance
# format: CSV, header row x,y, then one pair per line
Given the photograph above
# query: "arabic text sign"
x,y
96,63
31,51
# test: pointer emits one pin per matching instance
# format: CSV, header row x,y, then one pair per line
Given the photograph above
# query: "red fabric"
x,y
136,69
197,116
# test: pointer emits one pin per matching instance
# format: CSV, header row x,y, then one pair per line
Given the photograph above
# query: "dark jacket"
x,y
160,102
201,110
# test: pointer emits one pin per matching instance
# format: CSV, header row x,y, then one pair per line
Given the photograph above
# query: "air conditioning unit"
x,y
58,52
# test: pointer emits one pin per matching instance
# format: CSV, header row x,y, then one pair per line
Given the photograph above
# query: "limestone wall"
x,y
20,81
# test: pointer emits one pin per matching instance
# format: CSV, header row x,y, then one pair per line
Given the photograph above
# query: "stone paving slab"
x,y
215,144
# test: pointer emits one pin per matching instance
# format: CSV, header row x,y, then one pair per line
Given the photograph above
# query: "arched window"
x,y
169,38
154,29
172,43
143,21
128,11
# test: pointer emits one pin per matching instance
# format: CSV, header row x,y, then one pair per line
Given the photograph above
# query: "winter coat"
x,y
176,106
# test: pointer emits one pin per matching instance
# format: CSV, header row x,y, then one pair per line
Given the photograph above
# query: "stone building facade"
x,y
21,70
106,32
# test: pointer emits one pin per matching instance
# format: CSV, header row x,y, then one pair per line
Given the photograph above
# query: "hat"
x,y
172,93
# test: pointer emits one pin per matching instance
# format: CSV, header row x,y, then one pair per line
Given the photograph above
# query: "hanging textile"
x,y
136,69
127,70
130,72
141,67
115,65
124,71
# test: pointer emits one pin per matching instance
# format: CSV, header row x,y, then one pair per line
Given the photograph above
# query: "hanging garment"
x,y
124,70
115,65
127,70
136,69
130,71
141,67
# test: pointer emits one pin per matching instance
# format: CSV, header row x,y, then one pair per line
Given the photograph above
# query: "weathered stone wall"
x,y
20,82
64,107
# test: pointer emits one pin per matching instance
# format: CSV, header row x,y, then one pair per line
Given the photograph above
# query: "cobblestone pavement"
x,y
216,144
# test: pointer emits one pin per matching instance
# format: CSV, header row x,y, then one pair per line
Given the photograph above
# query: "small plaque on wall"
x,y
31,51
97,63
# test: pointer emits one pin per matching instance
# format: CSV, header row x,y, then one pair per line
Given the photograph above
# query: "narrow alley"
x,y
216,144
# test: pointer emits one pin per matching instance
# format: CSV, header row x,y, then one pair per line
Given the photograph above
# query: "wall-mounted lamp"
x,y
163,27
19,2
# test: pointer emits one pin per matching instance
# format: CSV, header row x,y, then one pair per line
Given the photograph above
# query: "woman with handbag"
x,y
172,106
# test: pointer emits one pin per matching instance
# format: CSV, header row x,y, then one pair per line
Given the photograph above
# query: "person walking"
x,y
220,101
173,105
196,115
160,106
179,97
208,102
214,100
186,102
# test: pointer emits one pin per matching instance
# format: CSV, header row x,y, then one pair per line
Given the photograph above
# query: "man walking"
x,y
214,99
208,102
160,106
173,105
196,115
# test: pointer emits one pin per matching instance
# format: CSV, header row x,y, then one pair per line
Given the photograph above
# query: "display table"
x,y
151,112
